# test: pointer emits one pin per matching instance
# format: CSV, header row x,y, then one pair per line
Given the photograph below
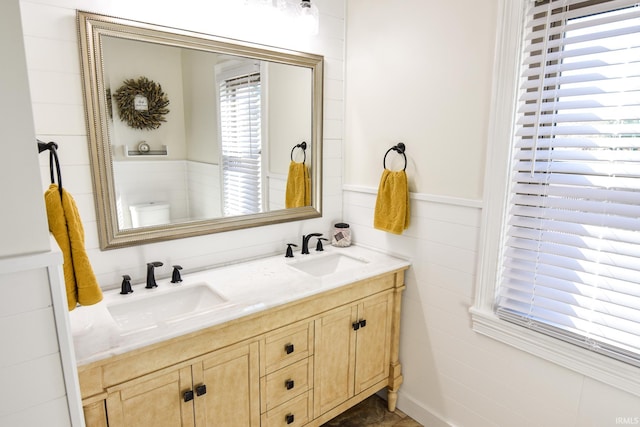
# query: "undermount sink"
x,y
150,311
328,264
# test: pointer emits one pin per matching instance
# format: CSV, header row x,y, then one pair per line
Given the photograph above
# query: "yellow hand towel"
x,y
298,191
392,204
66,227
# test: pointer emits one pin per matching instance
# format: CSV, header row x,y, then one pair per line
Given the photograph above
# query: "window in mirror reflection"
x,y
241,143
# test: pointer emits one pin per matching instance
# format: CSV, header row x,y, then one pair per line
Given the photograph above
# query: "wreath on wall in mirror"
x,y
141,103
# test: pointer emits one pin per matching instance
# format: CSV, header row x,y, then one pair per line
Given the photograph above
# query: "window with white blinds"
x,y
241,145
571,256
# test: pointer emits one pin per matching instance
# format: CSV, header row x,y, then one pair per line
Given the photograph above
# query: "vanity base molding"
x,y
299,364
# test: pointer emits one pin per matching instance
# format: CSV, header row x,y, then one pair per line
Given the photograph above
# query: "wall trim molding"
x,y
425,197
32,261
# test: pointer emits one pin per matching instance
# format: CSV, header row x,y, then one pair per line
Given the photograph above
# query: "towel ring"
x,y
400,149
303,146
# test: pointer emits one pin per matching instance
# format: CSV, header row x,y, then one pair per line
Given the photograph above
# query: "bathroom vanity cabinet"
x,y
219,388
297,364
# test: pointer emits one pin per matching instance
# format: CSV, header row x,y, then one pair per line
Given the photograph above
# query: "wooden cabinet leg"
x,y
392,399
395,369
395,379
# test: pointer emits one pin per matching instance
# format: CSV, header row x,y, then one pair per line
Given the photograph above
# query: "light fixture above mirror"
x,y
186,77
301,16
309,17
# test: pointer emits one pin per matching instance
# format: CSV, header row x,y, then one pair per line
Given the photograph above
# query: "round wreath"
x,y
152,114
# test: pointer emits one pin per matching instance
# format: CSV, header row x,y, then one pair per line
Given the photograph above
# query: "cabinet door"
x,y
373,341
232,381
334,358
152,400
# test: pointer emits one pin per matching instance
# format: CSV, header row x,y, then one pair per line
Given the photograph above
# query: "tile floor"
x,y
372,412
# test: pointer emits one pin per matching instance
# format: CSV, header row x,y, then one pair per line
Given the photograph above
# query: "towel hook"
x,y
53,158
400,149
303,146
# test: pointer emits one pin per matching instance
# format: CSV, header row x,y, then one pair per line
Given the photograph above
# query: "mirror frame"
x,y
92,27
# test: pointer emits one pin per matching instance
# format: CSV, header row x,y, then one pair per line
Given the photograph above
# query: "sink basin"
x,y
328,264
150,311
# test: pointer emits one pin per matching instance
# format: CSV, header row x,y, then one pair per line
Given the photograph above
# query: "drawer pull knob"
x,y
201,389
188,395
288,348
289,384
289,418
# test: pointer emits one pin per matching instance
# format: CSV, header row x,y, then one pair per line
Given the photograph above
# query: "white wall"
x,y
23,204
443,51
419,73
54,74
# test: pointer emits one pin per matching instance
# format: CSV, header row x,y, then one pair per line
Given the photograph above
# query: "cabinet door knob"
x,y
201,389
289,384
355,325
289,418
363,323
288,348
188,395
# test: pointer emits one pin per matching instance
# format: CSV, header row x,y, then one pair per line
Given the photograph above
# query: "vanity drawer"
x,y
287,383
287,345
295,413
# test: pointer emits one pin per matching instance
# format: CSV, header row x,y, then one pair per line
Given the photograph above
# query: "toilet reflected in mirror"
x,y
149,214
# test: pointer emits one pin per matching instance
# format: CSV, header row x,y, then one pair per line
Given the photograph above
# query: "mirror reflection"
x,y
195,135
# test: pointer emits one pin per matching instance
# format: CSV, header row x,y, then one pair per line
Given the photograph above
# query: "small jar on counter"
x,y
341,235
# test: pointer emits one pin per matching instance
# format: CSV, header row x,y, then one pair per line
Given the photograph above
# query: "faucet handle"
x,y
126,285
319,247
289,253
175,276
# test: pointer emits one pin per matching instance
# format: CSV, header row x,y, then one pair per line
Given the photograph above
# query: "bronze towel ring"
x,y
303,146
400,149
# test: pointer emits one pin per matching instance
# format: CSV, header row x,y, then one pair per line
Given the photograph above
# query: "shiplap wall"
x,y
33,391
53,67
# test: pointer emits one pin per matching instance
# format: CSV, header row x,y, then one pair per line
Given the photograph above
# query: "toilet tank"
x,y
151,213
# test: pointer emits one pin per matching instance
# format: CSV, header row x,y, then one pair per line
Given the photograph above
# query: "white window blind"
x,y
240,121
571,257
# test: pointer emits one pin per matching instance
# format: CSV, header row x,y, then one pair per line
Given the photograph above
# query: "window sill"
x,y
609,371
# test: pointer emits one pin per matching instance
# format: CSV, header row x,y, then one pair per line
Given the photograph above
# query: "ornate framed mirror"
x,y
193,134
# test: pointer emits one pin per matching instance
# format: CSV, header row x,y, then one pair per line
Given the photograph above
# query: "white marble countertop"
x,y
247,287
